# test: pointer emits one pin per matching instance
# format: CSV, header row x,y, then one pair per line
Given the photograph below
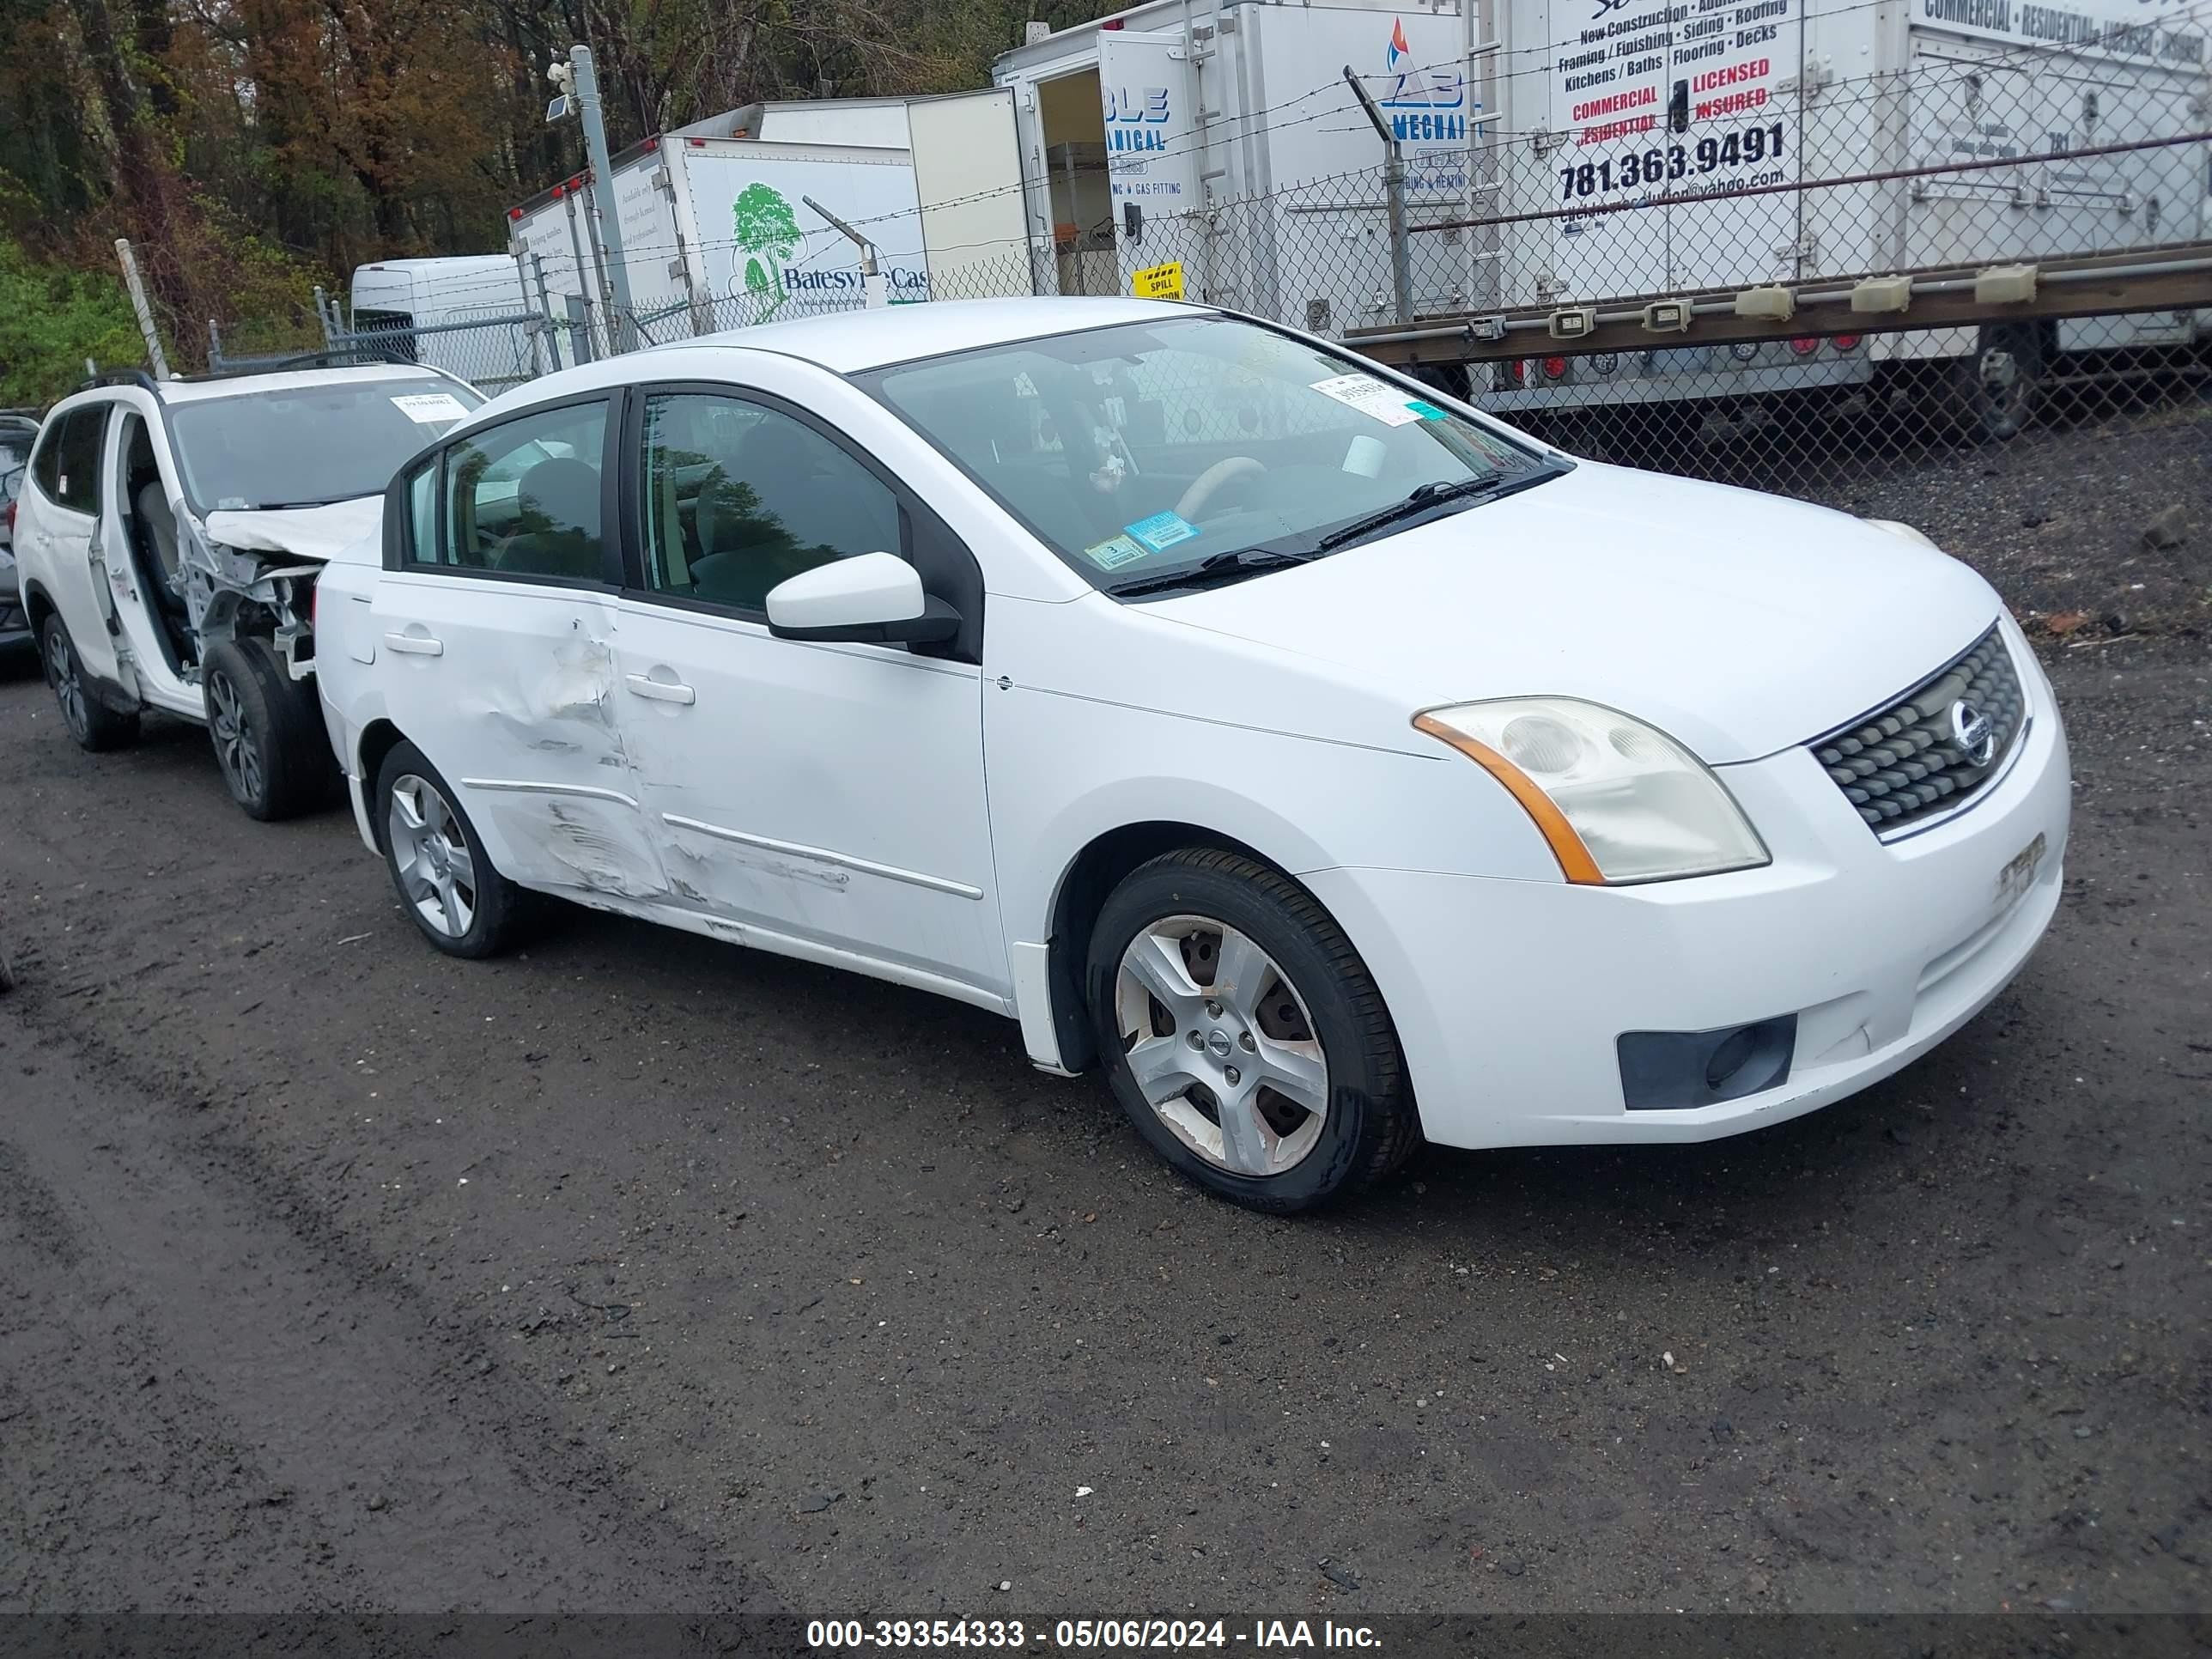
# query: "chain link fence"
x,y
1764,208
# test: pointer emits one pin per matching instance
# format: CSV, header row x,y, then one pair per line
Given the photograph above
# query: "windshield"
x,y
308,445
1141,451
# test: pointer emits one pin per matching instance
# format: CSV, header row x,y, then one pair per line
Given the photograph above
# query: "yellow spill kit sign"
x,y
1158,282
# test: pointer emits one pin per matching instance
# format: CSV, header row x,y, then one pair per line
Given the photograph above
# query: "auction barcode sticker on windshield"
x,y
428,406
1370,397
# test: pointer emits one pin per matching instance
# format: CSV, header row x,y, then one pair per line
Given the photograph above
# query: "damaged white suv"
x,y
168,537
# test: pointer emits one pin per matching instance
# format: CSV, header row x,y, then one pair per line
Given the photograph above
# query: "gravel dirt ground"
x,y
639,1272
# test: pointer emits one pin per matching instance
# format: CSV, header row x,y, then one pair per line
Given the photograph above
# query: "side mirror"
x,y
874,600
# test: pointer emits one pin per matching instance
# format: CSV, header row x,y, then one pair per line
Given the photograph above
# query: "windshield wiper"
x,y
1214,568
1435,493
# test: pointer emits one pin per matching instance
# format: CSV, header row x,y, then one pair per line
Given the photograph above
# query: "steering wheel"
x,y
1209,483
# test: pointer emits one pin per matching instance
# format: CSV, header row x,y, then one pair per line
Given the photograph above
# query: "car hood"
x,y
320,534
1741,623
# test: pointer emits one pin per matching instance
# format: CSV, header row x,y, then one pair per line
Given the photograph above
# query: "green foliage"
x,y
249,147
51,318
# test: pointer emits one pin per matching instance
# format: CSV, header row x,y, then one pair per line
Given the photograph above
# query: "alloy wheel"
x,y
430,851
233,733
1221,1045
68,685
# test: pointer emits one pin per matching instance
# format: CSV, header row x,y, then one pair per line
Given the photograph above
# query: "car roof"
x,y
288,379
849,342
842,342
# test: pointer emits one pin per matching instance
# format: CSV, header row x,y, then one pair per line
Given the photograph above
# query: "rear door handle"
x,y
417,645
661,690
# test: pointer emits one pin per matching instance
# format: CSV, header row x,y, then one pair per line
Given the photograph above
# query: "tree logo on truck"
x,y
767,232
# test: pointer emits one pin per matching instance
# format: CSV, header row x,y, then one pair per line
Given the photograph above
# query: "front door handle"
x,y
416,644
661,690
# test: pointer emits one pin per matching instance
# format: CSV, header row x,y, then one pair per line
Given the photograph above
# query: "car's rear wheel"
x,y
267,732
1244,1037
446,882
94,724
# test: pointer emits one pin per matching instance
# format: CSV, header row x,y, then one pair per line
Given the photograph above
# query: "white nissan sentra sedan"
x,y
1333,765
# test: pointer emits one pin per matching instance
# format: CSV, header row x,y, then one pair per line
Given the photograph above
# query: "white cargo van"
x,y
458,313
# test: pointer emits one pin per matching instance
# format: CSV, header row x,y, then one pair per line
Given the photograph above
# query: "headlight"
x,y
1618,800
1898,527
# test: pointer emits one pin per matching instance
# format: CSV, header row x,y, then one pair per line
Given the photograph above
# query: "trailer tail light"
x,y
1515,371
1804,347
8,518
1845,342
1555,368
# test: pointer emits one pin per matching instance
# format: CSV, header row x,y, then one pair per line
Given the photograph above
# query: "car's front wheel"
x,y
1244,1037
445,880
94,724
266,731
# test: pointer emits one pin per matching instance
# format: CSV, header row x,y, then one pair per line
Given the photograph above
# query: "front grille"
x,y
1906,762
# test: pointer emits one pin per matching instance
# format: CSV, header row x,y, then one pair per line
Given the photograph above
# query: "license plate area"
x,y
2020,871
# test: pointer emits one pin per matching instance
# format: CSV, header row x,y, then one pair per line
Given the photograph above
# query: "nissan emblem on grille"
x,y
1936,745
1976,733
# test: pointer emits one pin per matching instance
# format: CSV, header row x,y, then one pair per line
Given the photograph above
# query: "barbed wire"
x,y
1833,97
1251,124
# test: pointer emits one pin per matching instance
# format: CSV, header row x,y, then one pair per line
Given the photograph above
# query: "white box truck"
x,y
715,233
1226,124
1714,96
1216,136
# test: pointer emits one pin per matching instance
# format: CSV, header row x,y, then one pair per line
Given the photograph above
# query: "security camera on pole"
x,y
576,89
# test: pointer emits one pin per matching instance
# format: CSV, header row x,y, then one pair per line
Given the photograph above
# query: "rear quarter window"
x,y
67,467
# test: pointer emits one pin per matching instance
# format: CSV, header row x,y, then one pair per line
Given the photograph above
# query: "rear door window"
x,y
525,498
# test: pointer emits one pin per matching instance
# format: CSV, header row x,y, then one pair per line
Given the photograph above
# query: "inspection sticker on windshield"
x,y
1371,397
1112,553
1162,530
1425,411
425,407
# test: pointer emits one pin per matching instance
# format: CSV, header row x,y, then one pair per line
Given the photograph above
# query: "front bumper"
x,y
1509,996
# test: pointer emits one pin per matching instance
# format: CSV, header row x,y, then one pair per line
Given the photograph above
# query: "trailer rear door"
x,y
1151,159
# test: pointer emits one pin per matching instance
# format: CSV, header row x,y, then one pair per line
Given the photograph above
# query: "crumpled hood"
x,y
320,534
1739,622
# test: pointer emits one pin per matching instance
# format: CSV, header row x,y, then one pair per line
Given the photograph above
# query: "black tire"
x,y
1370,1126
1453,380
1995,389
498,908
95,726
266,731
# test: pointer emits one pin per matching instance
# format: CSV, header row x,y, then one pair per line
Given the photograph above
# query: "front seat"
x,y
558,502
160,530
